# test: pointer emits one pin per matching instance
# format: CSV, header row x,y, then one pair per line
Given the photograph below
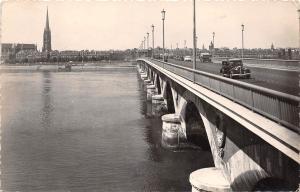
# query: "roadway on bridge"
x,y
280,80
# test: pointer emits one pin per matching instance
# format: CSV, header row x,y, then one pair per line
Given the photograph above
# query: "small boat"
x,y
68,67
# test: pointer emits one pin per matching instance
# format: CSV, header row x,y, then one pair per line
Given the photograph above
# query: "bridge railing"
x,y
266,62
278,106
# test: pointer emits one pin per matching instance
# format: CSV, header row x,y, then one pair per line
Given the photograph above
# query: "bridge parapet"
x,y
266,62
278,106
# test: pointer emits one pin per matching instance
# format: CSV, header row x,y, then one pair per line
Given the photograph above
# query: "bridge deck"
x,y
280,80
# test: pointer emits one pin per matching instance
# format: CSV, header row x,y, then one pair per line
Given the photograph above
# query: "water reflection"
x,y
47,107
142,96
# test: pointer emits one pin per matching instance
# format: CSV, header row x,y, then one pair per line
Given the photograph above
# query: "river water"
x,y
86,131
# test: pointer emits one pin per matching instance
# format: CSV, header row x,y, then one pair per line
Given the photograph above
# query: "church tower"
x,y
47,36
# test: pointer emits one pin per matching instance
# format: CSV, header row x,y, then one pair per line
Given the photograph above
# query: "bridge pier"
x,y
158,105
171,131
144,76
157,99
150,91
209,179
140,70
147,82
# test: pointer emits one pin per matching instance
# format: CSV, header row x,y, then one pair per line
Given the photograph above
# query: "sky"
x,y
122,24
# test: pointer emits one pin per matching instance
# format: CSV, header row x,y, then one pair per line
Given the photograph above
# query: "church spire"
x,y
47,21
47,36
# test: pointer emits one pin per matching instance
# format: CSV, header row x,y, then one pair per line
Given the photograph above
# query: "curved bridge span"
x,y
251,131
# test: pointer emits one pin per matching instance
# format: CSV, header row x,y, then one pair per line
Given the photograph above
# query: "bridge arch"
x,y
195,130
158,84
258,180
169,98
152,75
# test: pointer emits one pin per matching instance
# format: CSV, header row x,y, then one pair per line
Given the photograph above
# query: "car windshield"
x,y
225,63
236,63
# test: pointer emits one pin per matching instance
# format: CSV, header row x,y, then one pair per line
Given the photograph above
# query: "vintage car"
x,y
187,58
234,68
205,57
178,57
164,57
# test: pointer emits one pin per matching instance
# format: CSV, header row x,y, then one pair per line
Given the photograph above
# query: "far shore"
x,y
111,62
76,66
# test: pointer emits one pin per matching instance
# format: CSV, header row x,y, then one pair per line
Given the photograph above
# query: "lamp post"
x,y
163,12
299,29
144,43
141,49
243,41
185,47
147,40
194,37
152,40
213,43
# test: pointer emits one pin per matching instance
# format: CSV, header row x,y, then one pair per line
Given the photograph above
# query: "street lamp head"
x,y
243,27
147,34
163,12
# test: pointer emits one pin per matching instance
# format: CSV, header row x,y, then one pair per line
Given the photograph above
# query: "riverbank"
x,y
69,62
76,67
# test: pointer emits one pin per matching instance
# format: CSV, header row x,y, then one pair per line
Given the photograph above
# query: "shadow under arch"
x,y
258,182
195,130
152,75
273,184
158,85
169,97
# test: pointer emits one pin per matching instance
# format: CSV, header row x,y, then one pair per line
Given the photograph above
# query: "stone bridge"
x,y
252,149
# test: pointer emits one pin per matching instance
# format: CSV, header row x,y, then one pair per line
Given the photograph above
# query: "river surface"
x,y
86,131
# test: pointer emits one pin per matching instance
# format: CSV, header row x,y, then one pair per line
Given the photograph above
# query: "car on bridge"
x,y
178,57
234,68
205,57
164,57
187,58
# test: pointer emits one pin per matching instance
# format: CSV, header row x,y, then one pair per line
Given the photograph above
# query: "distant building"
x,y
25,47
6,52
47,36
211,46
10,50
